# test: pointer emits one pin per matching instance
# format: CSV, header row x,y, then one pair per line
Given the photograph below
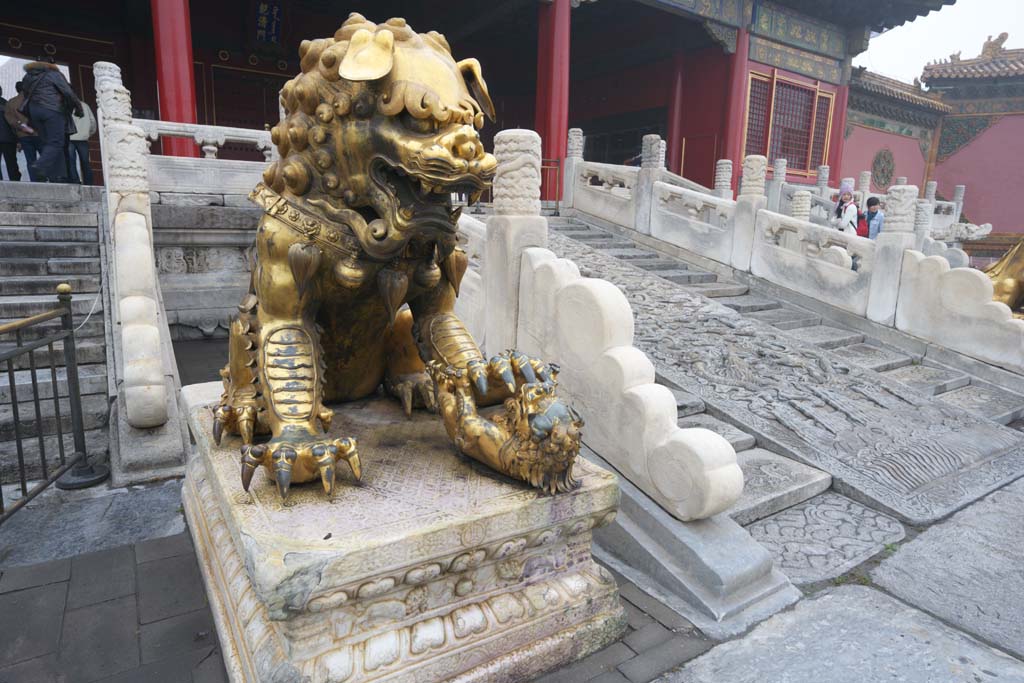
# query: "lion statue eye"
x,y
426,126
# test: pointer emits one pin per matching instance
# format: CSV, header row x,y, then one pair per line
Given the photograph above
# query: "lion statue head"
x,y
380,128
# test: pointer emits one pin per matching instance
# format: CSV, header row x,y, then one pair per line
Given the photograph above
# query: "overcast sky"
x,y
963,27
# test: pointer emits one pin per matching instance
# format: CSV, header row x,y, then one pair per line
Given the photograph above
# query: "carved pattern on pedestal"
x,y
517,180
652,152
723,174
800,207
900,208
575,143
755,167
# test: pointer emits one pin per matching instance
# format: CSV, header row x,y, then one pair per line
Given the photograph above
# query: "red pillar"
x,y
552,108
175,78
674,138
838,139
736,110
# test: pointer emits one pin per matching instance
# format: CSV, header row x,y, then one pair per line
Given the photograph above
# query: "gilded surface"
x,y
793,59
356,269
1007,275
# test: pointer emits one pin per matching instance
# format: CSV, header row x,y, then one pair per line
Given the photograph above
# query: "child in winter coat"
x,y
846,213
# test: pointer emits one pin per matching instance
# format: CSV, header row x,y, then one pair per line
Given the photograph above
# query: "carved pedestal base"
x,y
435,568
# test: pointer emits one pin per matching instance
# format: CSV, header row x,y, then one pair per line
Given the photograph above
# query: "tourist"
x,y
846,213
8,143
27,139
874,217
78,146
49,103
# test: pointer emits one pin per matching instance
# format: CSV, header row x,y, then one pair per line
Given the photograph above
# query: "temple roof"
x,y
897,90
995,61
881,14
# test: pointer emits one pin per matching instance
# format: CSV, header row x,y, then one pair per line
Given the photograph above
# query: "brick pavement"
x,y
129,614
139,613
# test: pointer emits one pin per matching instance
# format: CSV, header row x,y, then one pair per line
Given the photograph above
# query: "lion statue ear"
x,y
369,56
470,69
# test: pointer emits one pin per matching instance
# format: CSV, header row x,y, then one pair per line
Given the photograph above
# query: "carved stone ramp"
x,y
890,447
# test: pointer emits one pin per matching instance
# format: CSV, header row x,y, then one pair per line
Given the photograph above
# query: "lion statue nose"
x,y
464,143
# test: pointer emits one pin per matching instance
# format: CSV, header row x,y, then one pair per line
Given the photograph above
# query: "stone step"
x,y
73,266
30,304
611,243
927,379
94,416
826,336
39,250
687,404
10,267
986,401
748,303
97,444
92,379
70,192
580,232
628,253
92,328
772,483
567,227
786,317
687,277
737,438
654,265
718,289
22,233
54,220
47,206
42,284
875,356
86,351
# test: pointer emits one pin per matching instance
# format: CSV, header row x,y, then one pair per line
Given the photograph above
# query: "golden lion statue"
x,y
380,130
1007,275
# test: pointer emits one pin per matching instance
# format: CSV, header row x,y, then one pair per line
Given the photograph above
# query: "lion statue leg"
x,y
275,374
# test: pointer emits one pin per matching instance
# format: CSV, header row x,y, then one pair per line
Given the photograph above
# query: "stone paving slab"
x,y
826,336
872,357
748,303
851,634
786,317
824,537
772,483
717,289
907,454
969,570
927,379
986,401
737,438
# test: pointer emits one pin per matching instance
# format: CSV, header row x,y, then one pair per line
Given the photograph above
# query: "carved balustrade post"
x,y
723,178
800,208
751,200
901,207
958,198
922,222
573,157
901,180
774,187
930,190
823,189
516,226
652,169
864,187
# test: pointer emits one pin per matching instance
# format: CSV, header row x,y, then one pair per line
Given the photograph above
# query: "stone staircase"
x,y
48,236
773,481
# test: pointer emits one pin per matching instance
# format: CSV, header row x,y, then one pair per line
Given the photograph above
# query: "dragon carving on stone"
x,y
356,269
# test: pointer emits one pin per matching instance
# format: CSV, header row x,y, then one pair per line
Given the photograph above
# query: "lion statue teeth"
x,y
356,269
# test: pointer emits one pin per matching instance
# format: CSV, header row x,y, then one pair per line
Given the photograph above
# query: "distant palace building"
x,y
716,78
966,128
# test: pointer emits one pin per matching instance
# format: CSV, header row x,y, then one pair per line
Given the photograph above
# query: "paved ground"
x,y
125,615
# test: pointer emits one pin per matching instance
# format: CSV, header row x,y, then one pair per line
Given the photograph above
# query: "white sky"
x,y
964,26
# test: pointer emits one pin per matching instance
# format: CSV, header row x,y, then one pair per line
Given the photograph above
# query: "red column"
x,y
736,109
674,137
175,78
838,139
552,108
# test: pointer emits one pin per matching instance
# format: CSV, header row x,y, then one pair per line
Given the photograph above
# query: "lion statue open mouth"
x,y
356,268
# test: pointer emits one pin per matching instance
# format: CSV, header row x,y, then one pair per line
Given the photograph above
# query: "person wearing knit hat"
x,y
846,213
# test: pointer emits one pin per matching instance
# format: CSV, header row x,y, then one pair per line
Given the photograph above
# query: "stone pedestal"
x,y
433,568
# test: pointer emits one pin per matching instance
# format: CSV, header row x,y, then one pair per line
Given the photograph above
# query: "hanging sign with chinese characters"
x,y
268,21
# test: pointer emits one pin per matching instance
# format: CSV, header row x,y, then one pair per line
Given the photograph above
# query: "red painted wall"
x,y
864,143
990,167
594,99
705,96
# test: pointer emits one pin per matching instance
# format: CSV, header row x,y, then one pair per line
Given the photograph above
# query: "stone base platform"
x,y
433,568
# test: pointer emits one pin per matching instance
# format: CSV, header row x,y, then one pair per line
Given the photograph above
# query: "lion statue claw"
x,y
356,268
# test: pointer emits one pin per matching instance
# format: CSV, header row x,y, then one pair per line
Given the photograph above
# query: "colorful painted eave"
x,y
877,84
995,61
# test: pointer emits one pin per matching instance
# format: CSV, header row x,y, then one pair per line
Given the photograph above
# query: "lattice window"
x,y
821,119
757,116
788,120
792,117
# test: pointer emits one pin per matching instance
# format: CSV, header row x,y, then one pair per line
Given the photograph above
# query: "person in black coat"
x,y
50,104
8,143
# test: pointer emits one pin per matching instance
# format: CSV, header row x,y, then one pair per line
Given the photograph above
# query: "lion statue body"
x,y
356,267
